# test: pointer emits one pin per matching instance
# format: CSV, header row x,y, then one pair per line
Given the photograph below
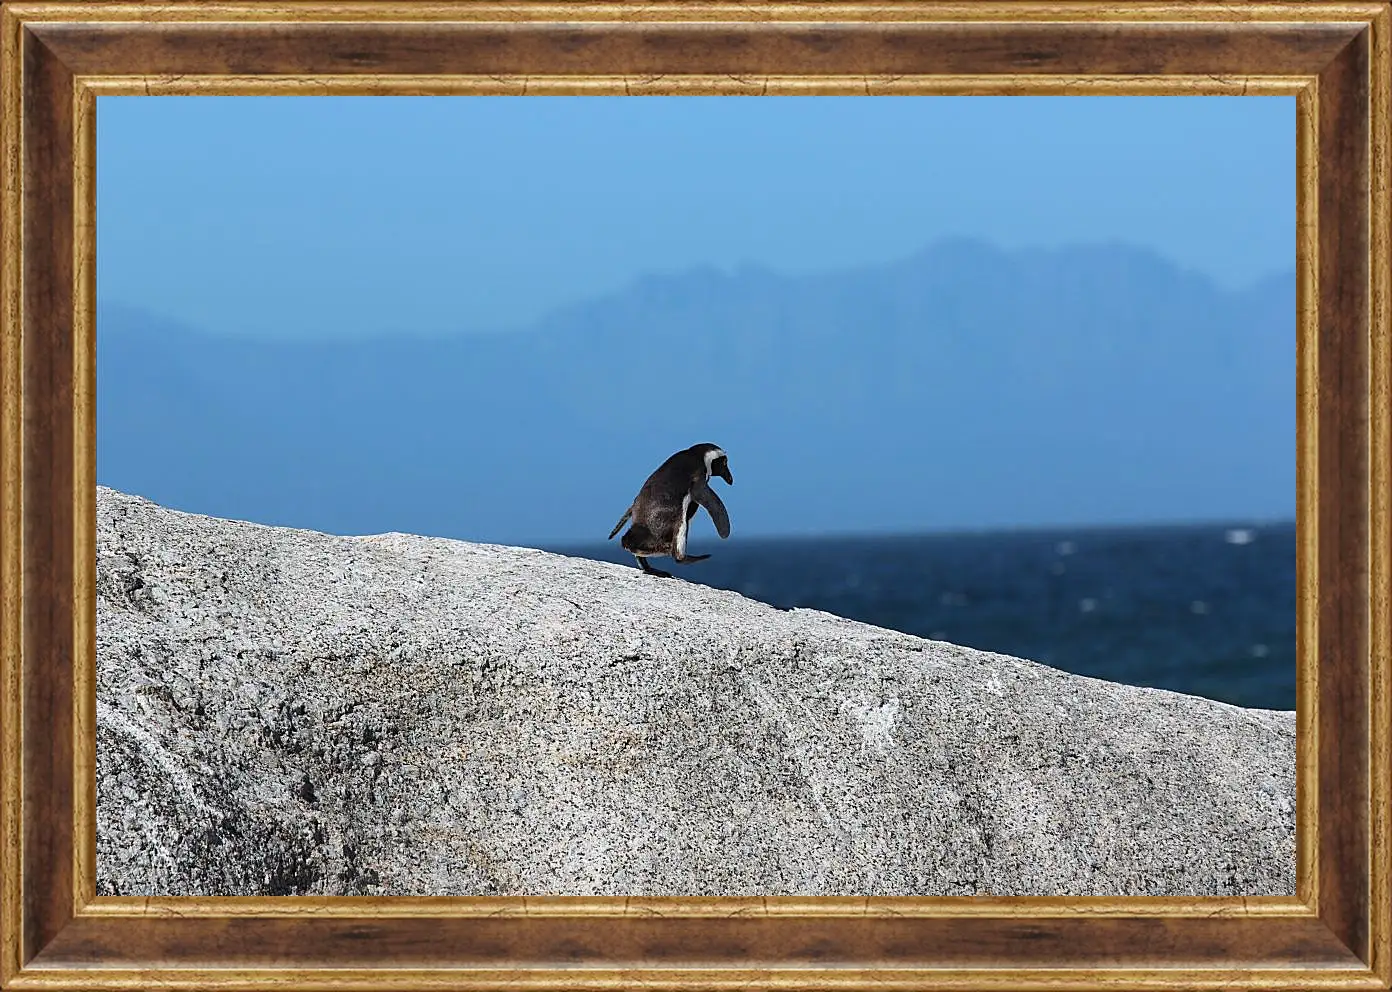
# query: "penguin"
x,y
669,498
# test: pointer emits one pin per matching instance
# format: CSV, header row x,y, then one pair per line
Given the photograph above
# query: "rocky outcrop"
x,y
282,711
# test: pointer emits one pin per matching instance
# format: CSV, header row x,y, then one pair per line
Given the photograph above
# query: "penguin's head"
x,y
716,462
721,467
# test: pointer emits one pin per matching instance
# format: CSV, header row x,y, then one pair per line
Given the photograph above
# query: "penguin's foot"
x,y
688,559
643,564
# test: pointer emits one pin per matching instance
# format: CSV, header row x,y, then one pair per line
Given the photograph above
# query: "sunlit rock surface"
x,y
282,711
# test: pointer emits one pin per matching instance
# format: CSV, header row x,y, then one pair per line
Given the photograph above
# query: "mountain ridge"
x,y
934,392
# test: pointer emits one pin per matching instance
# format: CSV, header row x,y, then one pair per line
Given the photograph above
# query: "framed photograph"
x,y
337,336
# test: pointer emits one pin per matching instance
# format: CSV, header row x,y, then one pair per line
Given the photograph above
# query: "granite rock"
x,y
282,711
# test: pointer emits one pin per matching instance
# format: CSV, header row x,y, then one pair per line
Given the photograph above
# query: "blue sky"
x,y
331,220
323,217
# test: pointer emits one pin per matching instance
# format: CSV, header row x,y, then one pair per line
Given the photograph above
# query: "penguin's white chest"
x,y
680,543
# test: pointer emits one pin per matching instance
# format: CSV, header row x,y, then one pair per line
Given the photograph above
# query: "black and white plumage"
x,y
669,499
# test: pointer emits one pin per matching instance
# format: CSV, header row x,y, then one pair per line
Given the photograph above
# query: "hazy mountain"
x,y
962,387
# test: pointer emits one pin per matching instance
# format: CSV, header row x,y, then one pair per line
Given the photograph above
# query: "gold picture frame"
x,y
55,58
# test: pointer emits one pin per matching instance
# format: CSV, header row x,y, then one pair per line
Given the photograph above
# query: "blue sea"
x,y
1201,609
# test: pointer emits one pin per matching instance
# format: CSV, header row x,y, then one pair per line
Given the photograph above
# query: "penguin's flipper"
x,y
707,497
619,526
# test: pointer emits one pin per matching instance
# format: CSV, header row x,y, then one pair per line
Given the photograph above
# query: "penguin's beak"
x,y
725,474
